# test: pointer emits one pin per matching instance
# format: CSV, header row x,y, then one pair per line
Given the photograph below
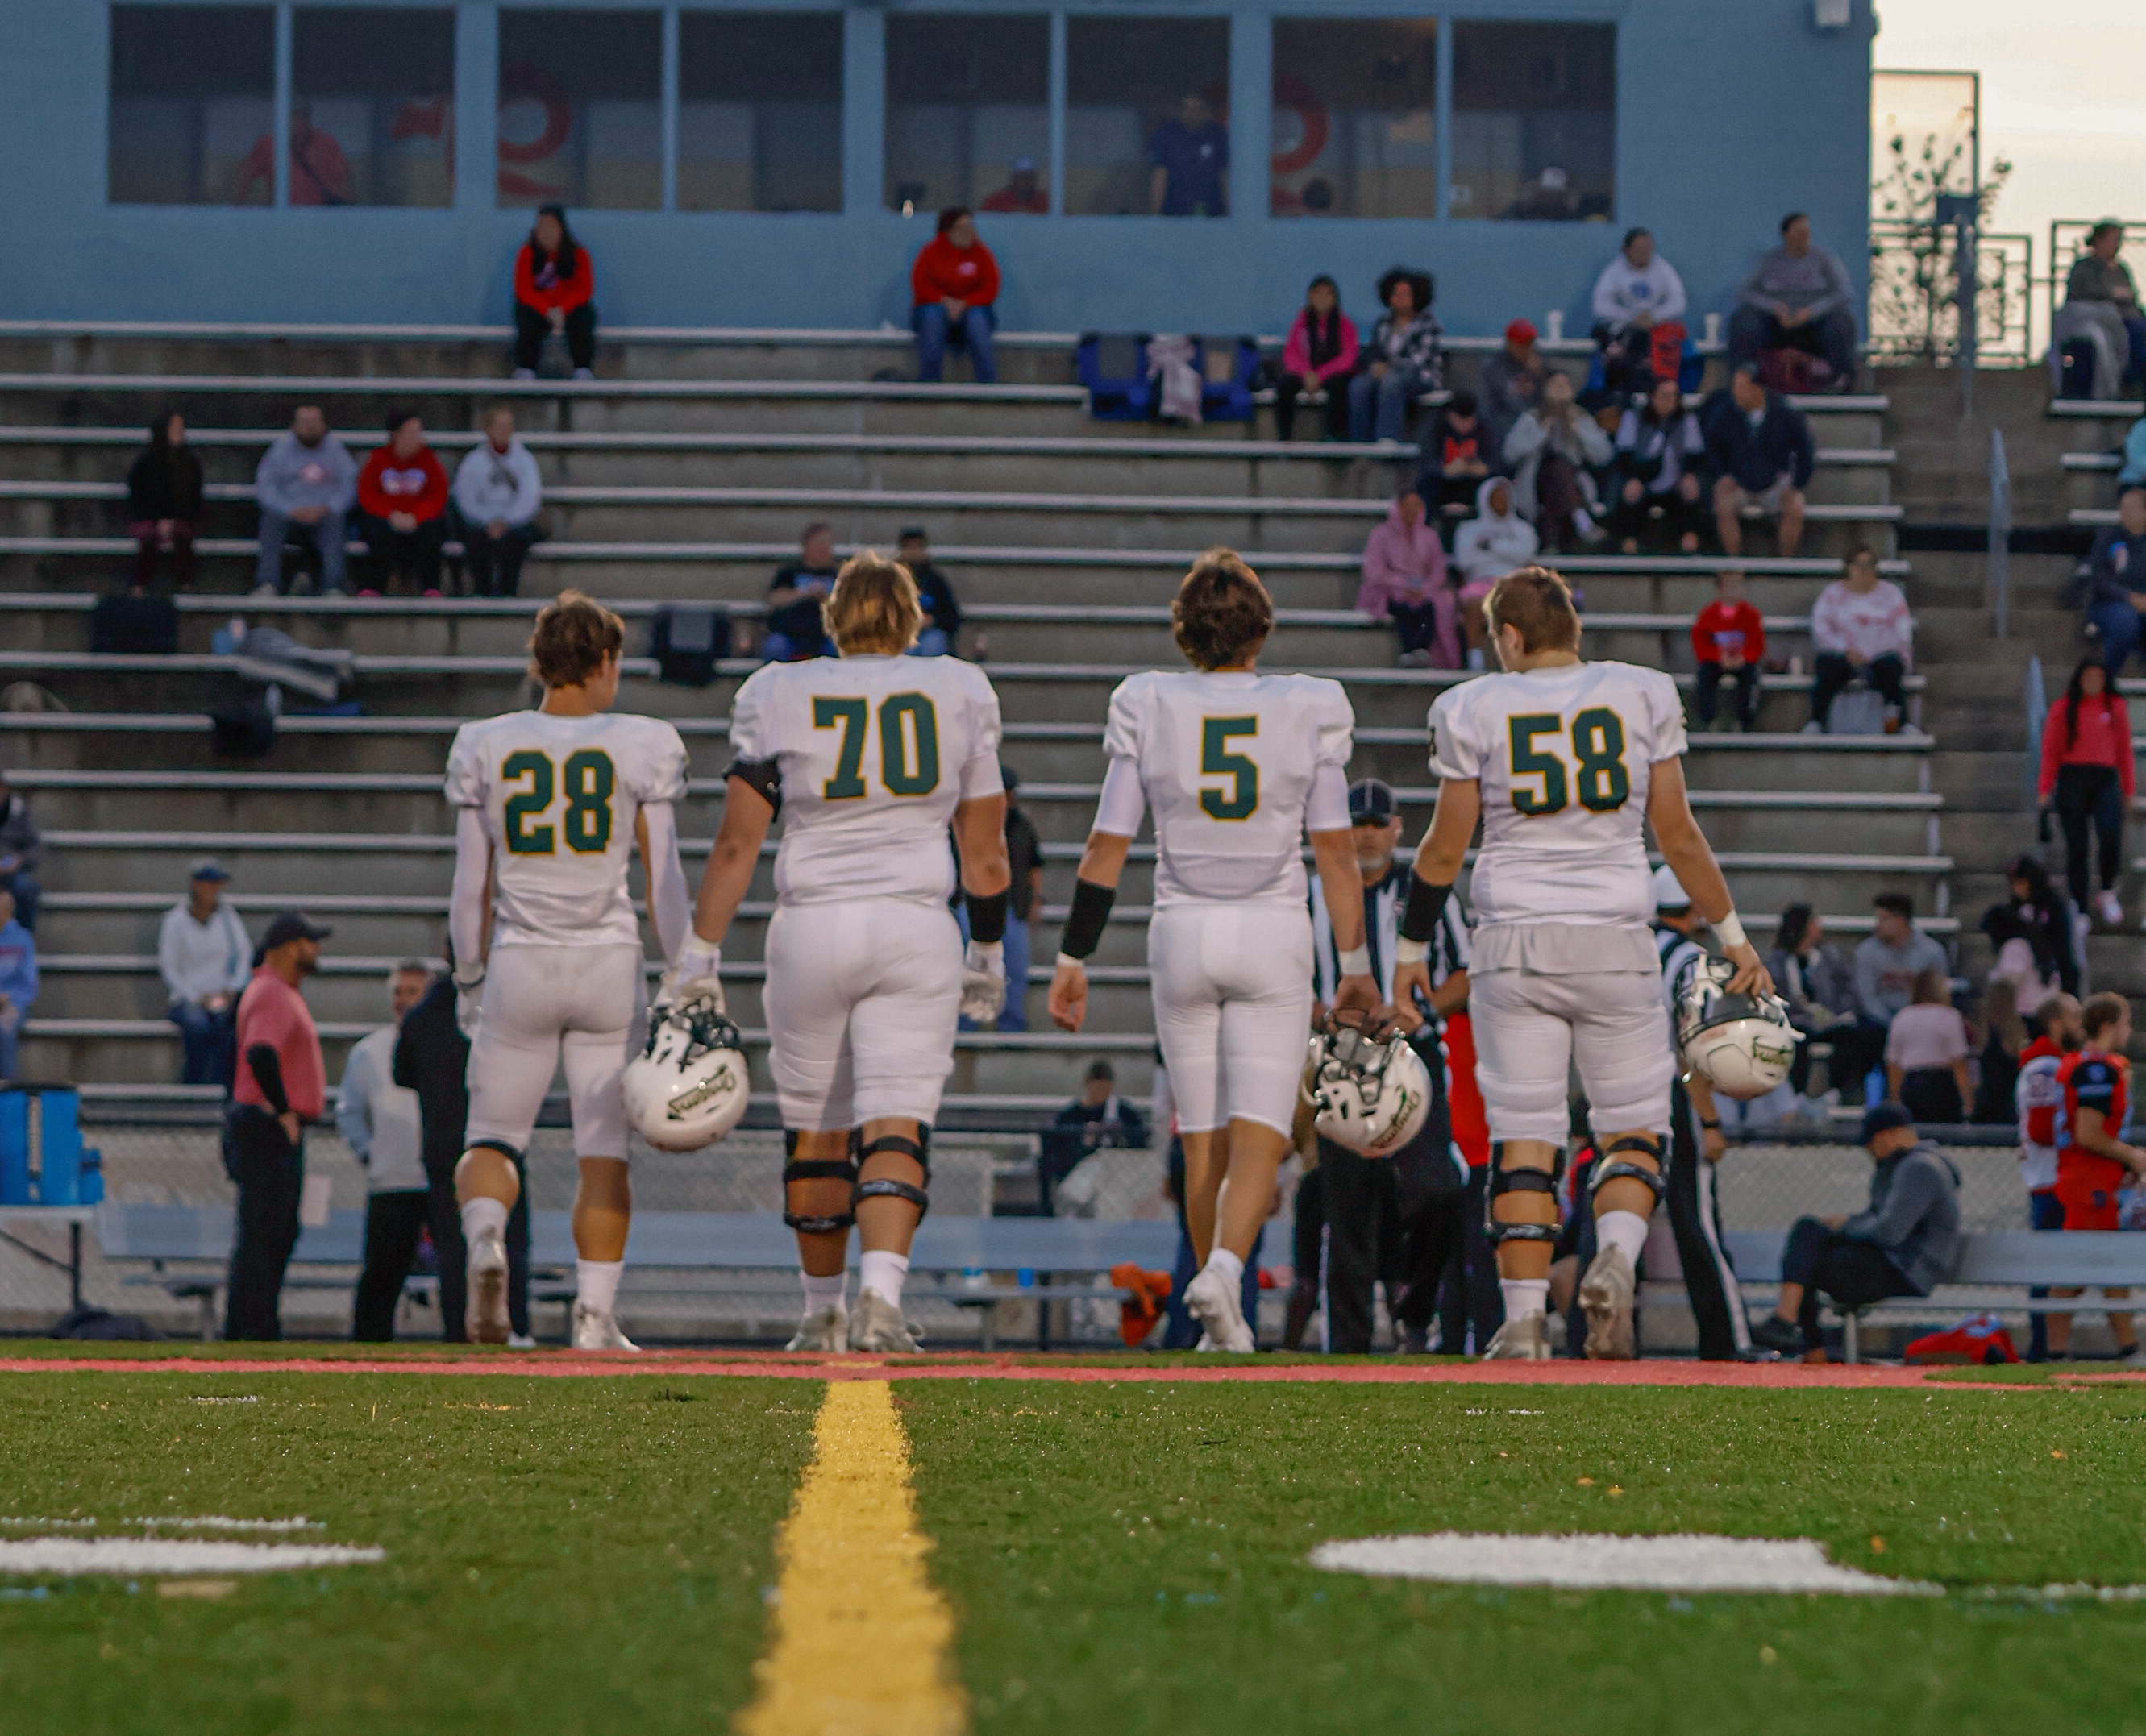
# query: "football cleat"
x,y
597,1329
825,1328
983,982
1370,1093
1606,1293
1526,1340
876,1326
689,1084
1212,1300
488,1324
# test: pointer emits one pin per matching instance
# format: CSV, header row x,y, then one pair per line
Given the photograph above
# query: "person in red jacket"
x,y
1728,639
555,286
953,284
2087,775
402,506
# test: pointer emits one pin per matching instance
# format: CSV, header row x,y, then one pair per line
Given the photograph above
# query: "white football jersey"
x,y
1565,756
1228,762
559,797
875,754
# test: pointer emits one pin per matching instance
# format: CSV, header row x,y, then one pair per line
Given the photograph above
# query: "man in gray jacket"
x,y
306,482
493,508
1906,1243
1798,297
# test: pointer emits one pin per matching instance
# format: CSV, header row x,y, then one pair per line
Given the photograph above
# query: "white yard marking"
x,y
216,1522
151,1555
1594,1562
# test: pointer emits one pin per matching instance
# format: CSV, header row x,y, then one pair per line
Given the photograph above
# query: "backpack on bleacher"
x,y
130,623
687,642
1856,711
1112,366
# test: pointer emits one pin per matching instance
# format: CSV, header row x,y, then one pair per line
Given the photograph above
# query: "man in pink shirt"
x,y
281,1084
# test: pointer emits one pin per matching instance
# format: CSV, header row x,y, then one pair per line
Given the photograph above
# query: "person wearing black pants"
x,y
269,1167
1469,1295
2091,796
1831,672
1743,681
533,325
1360,1233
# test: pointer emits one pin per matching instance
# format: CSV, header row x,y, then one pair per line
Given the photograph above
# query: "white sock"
x,y
481,1214
882,1271
595,1282
1524,1296
822,1293
1624,1229
1231,1267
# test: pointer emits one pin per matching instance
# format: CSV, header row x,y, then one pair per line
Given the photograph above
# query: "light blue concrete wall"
x,y
1729,112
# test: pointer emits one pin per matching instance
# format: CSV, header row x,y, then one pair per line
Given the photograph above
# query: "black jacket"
x,y
166,482
1757,456
431,1058
937,596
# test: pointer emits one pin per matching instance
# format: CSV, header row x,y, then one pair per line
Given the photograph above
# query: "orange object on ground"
x,y
1143,1308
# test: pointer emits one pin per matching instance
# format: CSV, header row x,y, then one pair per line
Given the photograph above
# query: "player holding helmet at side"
x,y
873,754
1564,763
552,804
1238,766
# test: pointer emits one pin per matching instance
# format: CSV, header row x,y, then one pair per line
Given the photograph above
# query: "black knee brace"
x,y
1607,1169
824,1169
1514,1181
885,1187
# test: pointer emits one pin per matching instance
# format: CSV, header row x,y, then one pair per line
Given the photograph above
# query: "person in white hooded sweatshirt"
x,y
493,509
1637,290
1486,547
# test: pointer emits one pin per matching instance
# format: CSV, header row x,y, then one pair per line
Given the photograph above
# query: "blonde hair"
x,y
874,608
574,635
1537,604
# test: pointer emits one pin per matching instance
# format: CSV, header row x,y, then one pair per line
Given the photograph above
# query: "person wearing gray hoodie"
x,y
1797,297
1486,547
307,482
493,508
1906,1243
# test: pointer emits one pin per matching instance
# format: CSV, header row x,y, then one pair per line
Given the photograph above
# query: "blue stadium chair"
x,y
1113,368
1228,371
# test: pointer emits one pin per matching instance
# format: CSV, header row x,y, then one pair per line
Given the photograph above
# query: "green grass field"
x,y
596,1554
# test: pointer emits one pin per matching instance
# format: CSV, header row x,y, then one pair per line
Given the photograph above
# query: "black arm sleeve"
x,y
1084,922
987,916
763,777
268,1074
1425,903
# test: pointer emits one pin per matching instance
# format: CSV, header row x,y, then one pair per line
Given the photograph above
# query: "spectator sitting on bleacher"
x,y
306,480
18,981
2098,278
554,285
21,849
1797,297
493,511
402,494
203,953
1661,467
1400,362
1456,454
1494,542
1404,582
1511,381
2041,916
164,501
1819,988
2111,581
1729,641
952,286
1760,449
1891,956
2088,777
1553,451
796,631
1926,1050
1860,626
1319,355
941,634
1638,290
1905,1244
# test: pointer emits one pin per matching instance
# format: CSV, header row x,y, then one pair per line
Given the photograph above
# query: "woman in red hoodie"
x,y
953,285
402,507
554,285
2087,770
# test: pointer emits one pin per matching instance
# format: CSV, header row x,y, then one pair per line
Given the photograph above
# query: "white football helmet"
x,y
1371,1093
1741,1045
688,1086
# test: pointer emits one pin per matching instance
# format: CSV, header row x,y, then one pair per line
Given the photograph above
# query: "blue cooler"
x,y
43,1160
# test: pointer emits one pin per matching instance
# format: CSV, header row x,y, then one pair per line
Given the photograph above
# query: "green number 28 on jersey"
x,y
587,779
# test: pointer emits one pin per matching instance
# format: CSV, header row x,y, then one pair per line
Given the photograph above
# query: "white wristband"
x,y
1067,958
1411,952
1356,961
1729,930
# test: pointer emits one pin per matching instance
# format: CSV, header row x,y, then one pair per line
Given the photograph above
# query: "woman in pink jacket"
x,y
1319,355
2087,776
1404,582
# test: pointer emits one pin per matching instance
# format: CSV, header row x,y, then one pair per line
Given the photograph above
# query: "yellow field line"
x,y
861,1640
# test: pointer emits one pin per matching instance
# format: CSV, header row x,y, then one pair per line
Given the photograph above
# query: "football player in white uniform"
x,y
871,756
552,804
1237,767
1564,763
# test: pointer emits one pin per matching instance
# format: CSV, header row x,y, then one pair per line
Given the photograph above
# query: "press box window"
x,y
580,108
759,111
1147,120
1354,129
372,111
192,114
1534,122
968,112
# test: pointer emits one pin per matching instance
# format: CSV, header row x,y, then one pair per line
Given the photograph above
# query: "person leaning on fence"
x,y
2110,582
379,1121
1860,626
2087,778
281,1084
1905,1243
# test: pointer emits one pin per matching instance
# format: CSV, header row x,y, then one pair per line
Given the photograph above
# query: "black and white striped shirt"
x,y
1383,904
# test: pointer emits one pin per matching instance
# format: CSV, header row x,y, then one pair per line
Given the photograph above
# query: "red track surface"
x,y
1777,1377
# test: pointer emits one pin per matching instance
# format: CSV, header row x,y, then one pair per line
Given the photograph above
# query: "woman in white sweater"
x,y
1486,547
